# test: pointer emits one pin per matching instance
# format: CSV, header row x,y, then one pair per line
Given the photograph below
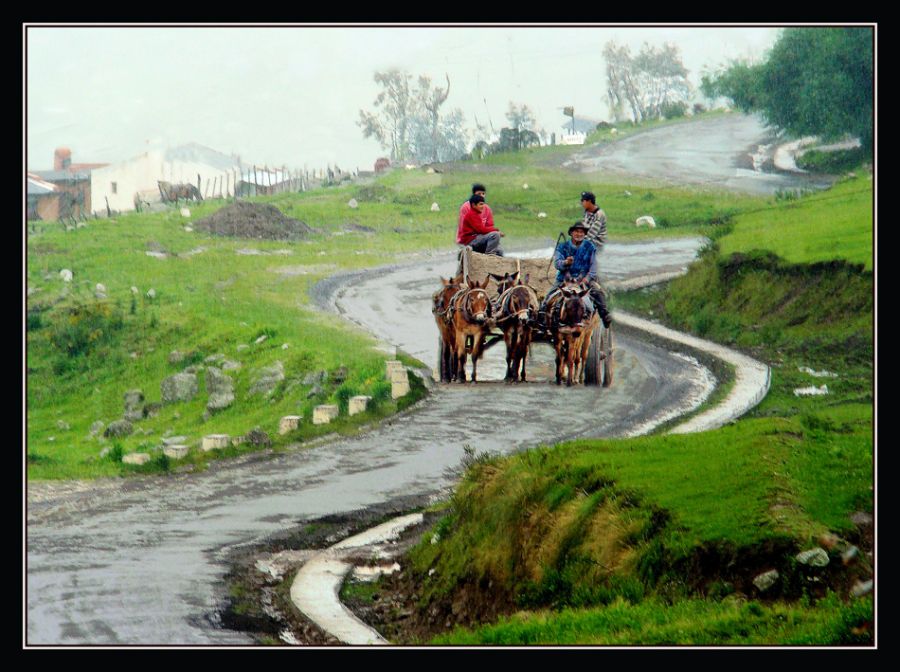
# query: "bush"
x,y
81,328
699,108
343,394
832,162
673,110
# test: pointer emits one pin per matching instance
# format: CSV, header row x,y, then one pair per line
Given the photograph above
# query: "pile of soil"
x,y
253,220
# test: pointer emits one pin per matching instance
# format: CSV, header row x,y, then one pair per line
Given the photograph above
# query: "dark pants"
x,y
487,243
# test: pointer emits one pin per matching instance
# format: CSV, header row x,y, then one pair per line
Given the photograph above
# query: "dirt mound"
x,y
253,220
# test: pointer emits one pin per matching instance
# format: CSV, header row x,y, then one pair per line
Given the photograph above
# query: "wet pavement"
x,y
732,151
143,562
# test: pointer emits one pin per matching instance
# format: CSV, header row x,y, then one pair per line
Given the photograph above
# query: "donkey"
x,y
571,323
471,319
516,307
440,307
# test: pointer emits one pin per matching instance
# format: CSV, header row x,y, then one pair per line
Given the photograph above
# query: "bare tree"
x,y
645,82
395,108
432,99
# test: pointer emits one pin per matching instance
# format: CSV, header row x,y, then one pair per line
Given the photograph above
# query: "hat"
x,y
577,225
589,196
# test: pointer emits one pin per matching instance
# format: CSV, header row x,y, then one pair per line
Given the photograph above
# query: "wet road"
x,y
720,152
142,563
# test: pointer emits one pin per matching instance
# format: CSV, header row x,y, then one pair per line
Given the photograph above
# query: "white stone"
x,y
399,387
66,275
864,588
324,414
189,229
185,212
288,423
359,404
430,170
525,186
80,225
151,293
176,452
242,346
817,374
214,441
627,193
157,255
174,440
392,365
815,557
260,339
613,131
435,207
285,346
136,458
352,203
542,215
135,290
646,220
766,580
811,391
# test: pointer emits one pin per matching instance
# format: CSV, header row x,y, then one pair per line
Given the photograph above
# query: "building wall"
x,y
142,174
46,206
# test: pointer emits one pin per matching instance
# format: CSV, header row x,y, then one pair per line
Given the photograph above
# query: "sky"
x,y
291,95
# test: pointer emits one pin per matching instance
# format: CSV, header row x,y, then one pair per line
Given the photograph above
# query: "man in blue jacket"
x,y
578,258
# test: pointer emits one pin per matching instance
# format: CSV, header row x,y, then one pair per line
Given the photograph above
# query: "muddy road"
x,y
142,562
733,151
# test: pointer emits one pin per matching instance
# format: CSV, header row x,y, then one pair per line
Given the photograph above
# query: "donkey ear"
x,y
487,279
471,283
525,281
514,275
496,277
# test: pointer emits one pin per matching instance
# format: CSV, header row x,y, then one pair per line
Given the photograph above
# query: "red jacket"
x,y
472,224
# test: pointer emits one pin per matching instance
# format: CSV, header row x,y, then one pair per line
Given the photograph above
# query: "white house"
x,y
118,184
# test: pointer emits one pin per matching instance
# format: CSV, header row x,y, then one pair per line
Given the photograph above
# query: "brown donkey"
x,y
471,318
572,322
440,307
516,308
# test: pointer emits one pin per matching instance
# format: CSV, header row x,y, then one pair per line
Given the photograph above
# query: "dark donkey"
x,y
516,307
440,306
471,312
571,322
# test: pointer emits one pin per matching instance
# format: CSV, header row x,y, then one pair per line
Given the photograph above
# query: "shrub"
x,y
84,326
673,110
699,108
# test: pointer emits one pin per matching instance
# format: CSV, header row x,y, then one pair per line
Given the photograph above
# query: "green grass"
x,y
834,224
689,622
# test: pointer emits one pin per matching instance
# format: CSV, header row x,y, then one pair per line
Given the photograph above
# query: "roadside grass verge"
x,y
825,226
689,622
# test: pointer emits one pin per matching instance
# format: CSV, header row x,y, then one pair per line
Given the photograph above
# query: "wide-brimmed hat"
x,y
577,225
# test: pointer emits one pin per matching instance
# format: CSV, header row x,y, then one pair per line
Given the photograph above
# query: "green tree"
x,y
395,109
814,81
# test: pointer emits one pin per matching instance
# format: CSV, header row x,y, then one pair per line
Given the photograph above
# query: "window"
x,y
115,188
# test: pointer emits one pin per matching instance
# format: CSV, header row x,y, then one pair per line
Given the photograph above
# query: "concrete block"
x,y
359,404
136,458
392,365
399,387
324,414
214,441
288,423
176,451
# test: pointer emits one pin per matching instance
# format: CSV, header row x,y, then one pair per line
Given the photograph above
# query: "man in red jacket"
x,y
475,230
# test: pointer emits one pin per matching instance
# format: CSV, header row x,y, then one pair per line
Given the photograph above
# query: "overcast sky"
x,y
292,95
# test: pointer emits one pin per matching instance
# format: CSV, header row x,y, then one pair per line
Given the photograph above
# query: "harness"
x,y
468,294
503,300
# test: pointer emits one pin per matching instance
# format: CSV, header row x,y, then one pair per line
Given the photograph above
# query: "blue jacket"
x,y
584,260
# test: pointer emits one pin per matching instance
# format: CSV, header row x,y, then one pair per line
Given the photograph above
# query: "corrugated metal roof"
x,y
38,187
61,175
195,153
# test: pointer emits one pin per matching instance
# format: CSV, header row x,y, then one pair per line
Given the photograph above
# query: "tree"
x,y
814,81
409,122
390,123
520,117
647,82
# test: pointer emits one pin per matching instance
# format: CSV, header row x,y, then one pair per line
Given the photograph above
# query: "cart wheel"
x,y
606,346
593,365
